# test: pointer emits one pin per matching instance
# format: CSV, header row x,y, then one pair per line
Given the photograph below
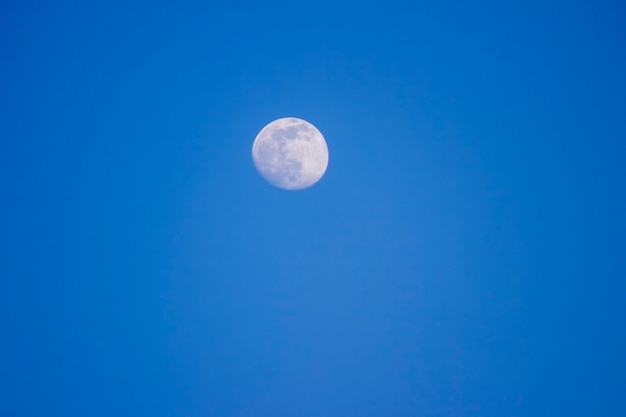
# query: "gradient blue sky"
x,y
464,254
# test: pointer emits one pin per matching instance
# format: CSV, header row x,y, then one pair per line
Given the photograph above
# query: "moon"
x,y
290,153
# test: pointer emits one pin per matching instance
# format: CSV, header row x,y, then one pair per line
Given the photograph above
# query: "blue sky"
x,y
462,256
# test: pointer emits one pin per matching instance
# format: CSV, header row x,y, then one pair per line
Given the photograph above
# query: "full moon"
x,y
290,153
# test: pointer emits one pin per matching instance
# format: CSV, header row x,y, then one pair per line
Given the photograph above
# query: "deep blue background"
x,y
464,254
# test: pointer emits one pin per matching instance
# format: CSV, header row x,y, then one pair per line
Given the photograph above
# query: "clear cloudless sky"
x,y
464,255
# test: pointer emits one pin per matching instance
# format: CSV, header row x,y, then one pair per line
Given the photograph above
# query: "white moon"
x,y
290,153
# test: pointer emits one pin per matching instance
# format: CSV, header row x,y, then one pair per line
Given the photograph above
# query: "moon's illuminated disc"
x,y
290,153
